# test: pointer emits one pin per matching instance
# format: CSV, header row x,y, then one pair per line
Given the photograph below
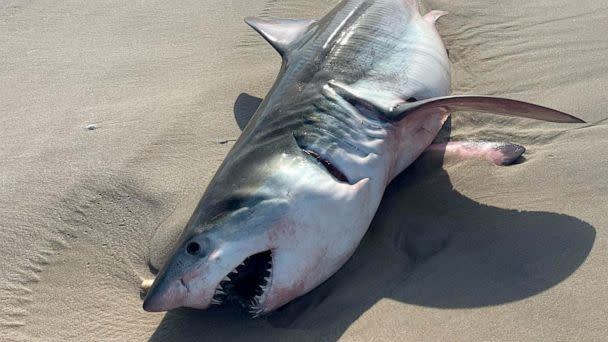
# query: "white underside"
x,y
327,218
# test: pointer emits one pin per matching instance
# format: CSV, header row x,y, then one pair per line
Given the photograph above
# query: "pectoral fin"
x,y
394,109
280,33
482,104
498,153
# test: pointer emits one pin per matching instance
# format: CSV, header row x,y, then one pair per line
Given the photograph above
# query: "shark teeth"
x,y
255,308
247,284
219,295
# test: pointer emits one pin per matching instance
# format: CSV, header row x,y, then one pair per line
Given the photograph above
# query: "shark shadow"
x,y
428,245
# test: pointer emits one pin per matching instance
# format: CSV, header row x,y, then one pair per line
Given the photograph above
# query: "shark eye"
x,y
411,99
193,248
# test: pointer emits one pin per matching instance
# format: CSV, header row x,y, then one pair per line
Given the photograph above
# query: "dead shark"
x,y
362,92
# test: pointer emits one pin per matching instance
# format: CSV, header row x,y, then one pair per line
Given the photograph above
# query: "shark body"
x,y
361,94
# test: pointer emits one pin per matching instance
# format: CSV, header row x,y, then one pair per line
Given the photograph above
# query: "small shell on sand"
x,y
146,284
91,127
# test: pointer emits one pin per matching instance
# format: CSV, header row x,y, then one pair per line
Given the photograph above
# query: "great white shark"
x,y
361,93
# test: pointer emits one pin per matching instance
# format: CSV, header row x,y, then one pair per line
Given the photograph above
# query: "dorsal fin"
x,y
280,33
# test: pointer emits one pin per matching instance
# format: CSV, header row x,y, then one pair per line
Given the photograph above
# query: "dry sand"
x,y
459,250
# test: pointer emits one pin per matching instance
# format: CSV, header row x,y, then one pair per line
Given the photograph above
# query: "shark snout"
x,y
205,272
165,295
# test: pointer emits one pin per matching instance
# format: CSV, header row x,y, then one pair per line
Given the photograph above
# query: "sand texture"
x,y
114,116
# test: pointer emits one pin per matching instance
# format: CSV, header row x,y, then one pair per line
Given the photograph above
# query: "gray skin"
x,y
361,93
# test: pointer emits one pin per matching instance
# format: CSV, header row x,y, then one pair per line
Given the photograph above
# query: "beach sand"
x,y
114,116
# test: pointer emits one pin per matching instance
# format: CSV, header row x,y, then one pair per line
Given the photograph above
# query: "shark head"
x,y
270,250
226,261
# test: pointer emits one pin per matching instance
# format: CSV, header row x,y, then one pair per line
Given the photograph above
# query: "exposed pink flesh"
x,y
497,153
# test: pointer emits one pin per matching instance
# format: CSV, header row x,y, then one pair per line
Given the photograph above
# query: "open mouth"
x,y
246,284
